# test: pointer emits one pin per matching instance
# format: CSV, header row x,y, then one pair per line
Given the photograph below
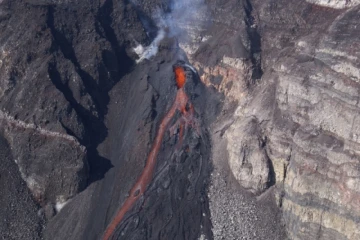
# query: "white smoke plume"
x,y
176,21
184,14
151,50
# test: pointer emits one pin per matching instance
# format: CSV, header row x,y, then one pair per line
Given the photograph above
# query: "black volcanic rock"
x,y
275,93
58,62
74,56
19,218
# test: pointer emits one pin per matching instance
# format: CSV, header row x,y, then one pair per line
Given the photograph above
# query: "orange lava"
x,y
180,104
180,77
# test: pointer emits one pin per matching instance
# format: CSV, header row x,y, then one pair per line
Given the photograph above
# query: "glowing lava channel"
x,y
184,106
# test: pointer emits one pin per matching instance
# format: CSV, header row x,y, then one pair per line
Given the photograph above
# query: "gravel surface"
x,y
235,213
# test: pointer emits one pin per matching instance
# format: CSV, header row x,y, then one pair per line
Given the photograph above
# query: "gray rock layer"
x,y
296,125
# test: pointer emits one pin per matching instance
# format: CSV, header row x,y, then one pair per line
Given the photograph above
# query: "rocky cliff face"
x,y
296,127
316,92
79,111
56,72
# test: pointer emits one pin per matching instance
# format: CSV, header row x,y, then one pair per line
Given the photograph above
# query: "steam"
x,y
61,201
181,17
184,15
151,50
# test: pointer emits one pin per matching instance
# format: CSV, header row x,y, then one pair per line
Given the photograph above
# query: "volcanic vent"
x,y
168,199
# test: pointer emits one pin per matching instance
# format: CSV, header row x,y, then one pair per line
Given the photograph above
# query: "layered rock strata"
x,y
296,128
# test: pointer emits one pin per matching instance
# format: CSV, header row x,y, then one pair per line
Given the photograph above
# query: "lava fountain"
x,y
186,109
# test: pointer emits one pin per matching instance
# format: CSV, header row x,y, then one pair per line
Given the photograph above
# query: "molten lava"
x,y
181,104
180,77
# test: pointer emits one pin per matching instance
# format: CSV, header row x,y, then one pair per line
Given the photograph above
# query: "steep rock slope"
x,y
18,210
78,117
295,124
93,103
56,74
313,128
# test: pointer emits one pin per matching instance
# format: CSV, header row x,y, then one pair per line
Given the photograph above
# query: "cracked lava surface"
x,y
181,104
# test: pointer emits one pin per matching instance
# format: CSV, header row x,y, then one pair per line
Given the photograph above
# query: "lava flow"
x,y
181,104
